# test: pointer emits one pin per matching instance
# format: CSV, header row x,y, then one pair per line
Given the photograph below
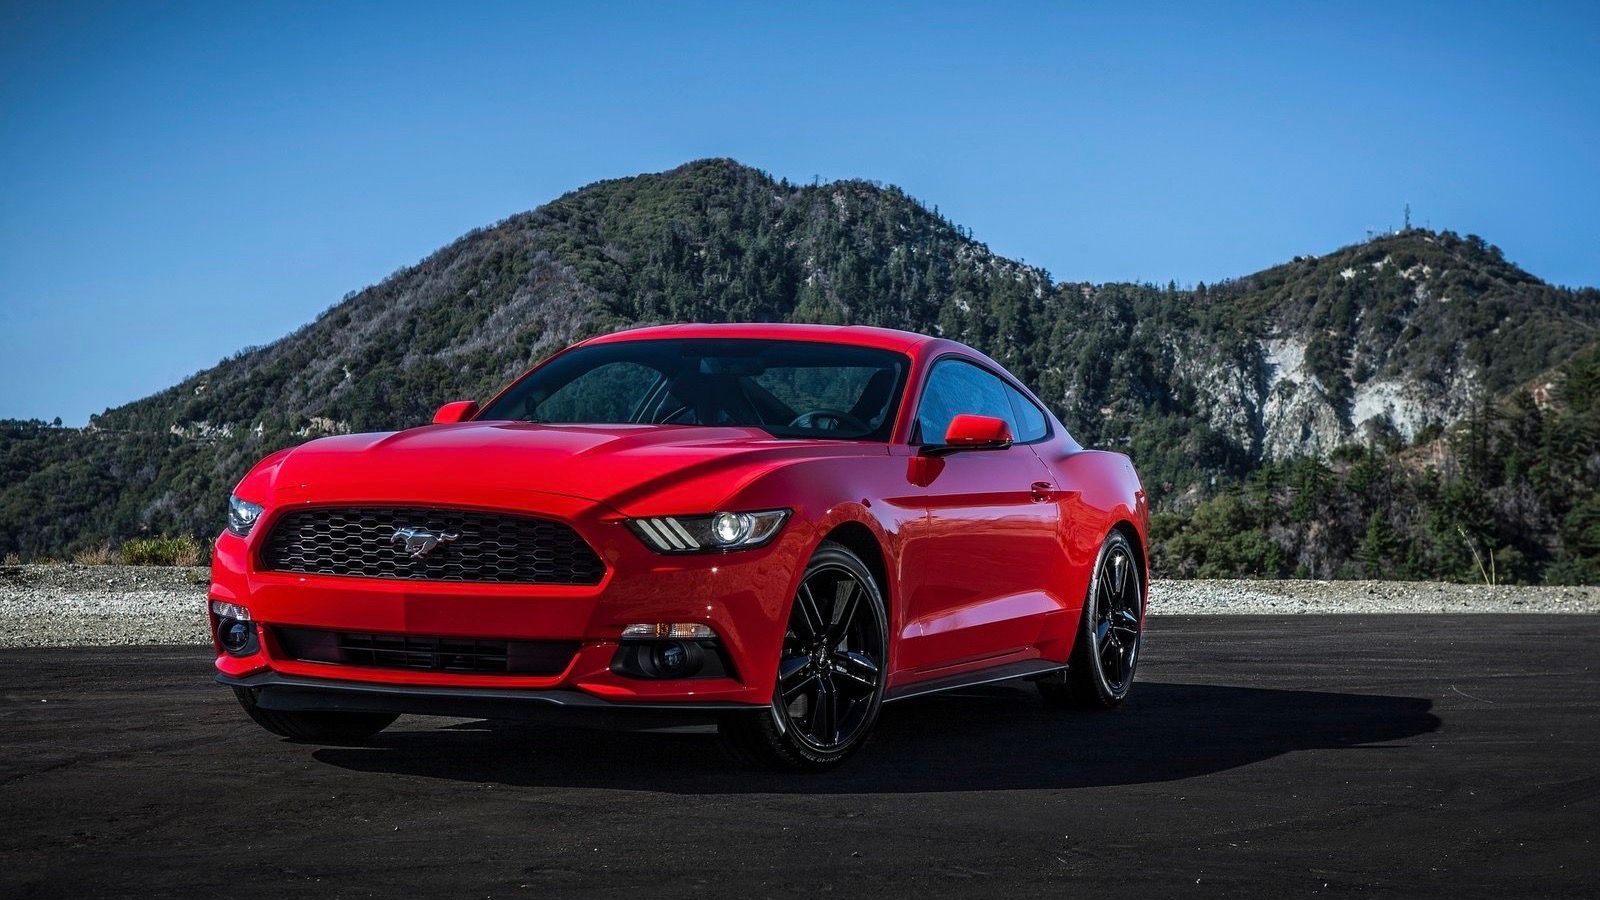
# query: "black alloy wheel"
x,y
831,669
830,672
1101,670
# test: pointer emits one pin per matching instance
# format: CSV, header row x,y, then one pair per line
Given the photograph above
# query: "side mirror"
x,y
970,432
459,411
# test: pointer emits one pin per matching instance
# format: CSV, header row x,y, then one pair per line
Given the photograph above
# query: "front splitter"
x,y
295,694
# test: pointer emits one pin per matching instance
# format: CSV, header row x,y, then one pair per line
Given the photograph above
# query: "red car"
x,y
778,527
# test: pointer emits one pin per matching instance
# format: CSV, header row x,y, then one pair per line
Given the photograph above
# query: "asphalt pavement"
x,y
1391,755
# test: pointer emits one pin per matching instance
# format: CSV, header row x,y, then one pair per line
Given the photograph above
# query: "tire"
x,y
1100,673
831,672
315,727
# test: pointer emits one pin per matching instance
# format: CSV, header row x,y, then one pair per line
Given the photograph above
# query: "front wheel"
x,y
315,727
1100,672
831,670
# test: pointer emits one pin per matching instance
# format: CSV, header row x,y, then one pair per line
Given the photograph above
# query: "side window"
x,y
954,388
1030,421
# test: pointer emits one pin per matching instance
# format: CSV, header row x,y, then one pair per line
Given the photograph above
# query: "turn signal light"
x,y
669,631
224,610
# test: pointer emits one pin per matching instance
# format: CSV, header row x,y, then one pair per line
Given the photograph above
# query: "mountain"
x,y
1391,343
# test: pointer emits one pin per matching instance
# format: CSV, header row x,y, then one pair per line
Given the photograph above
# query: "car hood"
x,y
490,463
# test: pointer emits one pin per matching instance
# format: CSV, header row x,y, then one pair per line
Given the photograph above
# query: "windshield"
x,y
794,389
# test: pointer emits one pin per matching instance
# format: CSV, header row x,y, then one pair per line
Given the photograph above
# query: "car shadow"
x,y
992,738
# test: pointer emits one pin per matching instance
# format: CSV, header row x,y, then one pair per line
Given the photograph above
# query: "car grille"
x,y
431,654
487,547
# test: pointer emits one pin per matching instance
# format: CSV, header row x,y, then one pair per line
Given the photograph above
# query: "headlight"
x,y
242,515
708,534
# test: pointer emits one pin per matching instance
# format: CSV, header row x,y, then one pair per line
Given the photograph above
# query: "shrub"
x,y
102,555
182,550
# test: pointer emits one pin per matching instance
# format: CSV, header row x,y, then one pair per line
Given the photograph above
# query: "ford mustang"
x,y
778,528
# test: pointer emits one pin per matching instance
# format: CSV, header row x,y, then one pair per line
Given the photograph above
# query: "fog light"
x,y
670,659
653,657
235,636
676,659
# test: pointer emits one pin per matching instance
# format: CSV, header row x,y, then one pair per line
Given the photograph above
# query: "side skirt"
x,y
1030,668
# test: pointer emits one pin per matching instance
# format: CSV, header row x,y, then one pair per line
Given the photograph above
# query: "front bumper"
x,y
743,596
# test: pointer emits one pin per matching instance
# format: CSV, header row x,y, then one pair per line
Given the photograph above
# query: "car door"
x,y
974,570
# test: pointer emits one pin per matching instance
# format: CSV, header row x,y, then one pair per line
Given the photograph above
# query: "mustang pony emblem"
x,y
420,542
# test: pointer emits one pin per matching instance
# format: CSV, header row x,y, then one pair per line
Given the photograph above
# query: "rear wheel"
x,y
1100,673
316,727
830,673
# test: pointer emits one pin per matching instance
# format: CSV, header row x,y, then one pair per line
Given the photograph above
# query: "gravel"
x,y
72,605
1290,597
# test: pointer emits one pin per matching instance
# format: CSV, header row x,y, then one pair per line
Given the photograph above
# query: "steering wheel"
x,y
836,420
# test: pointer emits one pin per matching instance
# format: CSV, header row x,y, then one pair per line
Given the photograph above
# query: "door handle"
x,y
1042,491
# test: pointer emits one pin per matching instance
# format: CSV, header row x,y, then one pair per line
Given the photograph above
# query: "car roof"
x,y
857,335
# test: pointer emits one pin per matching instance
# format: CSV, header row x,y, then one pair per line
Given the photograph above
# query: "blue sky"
x,y
178,181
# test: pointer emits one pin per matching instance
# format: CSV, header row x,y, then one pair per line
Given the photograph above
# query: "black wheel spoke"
x,y
805,686
793,670
824,715
860,662
810,617
1111,662
1125,625
856,670
845,600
